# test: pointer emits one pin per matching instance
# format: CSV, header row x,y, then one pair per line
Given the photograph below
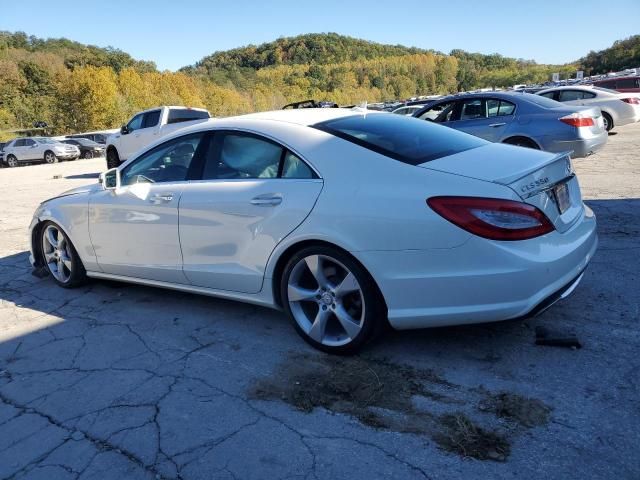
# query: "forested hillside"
x,y
621,55
75,87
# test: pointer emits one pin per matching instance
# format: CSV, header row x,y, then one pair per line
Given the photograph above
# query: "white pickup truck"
x,y
147,127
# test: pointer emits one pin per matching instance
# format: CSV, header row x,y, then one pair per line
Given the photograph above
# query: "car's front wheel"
x,y
331,299
50,157
12,161
60,257
87,154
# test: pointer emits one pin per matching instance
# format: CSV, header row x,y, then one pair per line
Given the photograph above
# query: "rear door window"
x,y
151,119
499,108
506,108
472,108
400,137
571,95
234,155
294,167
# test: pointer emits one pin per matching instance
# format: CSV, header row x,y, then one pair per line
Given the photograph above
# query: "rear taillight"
x,y
577,120
631,100
493,218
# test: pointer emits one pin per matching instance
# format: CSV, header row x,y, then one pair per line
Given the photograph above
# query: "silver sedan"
x,y
617,108
522,119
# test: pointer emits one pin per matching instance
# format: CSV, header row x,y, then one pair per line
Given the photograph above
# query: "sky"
x,y
174,33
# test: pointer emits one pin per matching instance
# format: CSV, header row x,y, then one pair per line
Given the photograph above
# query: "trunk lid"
x,y
536,177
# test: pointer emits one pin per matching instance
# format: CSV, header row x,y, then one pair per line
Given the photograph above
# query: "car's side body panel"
x,y
429,271
228,229
134,231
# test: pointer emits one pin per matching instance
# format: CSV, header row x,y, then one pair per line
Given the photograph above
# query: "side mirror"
x,y
124,130
110,179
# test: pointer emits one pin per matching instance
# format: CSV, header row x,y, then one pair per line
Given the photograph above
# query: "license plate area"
x,y
561,196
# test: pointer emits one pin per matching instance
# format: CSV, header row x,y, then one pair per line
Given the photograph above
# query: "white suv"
x,y
38,149
147,127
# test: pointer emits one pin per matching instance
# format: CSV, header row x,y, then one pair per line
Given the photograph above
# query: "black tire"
x,y
113,160
608,121
78,274
50,157
522,142
87,155
12,161
374,316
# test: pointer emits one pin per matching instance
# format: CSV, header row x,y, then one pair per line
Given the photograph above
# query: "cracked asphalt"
x,y
120,381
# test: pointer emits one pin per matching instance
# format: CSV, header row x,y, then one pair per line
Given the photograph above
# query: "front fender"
x,y
70,213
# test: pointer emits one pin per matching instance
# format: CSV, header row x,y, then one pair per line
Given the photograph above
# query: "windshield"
x,y
44,140
406,139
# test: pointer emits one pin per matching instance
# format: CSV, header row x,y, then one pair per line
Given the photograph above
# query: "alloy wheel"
x,y
56,253
12,161
49,157
326,300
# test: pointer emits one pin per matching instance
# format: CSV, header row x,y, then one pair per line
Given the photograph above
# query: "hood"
x,y
494,162
76,191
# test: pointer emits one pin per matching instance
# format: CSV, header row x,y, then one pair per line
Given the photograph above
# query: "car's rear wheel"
x,y
50,157
522,142
608,121
113,160
12,161
87,154
60,257
331,299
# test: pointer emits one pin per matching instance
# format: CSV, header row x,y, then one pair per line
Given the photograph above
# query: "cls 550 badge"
x,y
534,185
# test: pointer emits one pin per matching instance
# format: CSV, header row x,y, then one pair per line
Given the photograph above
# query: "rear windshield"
x,y
543,101
177,115
406,139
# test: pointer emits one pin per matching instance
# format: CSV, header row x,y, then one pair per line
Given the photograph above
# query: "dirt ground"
x,y
121,381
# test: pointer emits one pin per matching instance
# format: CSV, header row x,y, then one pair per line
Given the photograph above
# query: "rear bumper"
x,y
620,121
582,147
482,280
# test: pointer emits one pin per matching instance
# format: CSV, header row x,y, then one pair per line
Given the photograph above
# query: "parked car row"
x,y
52,150
88,148
37,149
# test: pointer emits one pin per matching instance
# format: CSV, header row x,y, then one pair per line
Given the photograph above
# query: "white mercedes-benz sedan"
x,y
344,218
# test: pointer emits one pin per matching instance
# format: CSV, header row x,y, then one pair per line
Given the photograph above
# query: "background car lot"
x,y
131,382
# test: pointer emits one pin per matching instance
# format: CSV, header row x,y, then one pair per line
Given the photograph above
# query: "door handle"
x,y
161,197
268,200
494,125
